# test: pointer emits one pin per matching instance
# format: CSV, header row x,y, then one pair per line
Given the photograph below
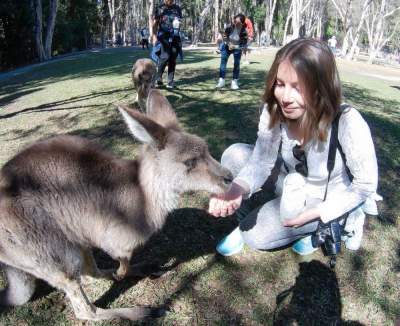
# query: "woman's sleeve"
x,y
258,168
357,145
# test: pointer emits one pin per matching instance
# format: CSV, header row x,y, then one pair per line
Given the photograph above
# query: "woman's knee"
x,y
258,241
236,156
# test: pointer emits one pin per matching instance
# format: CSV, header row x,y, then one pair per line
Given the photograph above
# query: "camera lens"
x,y
331,248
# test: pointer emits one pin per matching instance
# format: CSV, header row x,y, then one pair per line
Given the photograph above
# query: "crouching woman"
x,y
302,98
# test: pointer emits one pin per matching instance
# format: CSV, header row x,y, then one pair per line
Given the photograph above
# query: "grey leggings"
x,y
262,228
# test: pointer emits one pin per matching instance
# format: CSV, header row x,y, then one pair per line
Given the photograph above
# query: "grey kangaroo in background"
x,y
143,78
61,197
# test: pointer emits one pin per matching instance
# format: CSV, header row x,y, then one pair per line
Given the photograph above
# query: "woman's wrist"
x,y
243,186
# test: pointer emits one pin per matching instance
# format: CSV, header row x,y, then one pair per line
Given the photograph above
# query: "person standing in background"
x,y
235,39
167,17
144,34
250,38
332,42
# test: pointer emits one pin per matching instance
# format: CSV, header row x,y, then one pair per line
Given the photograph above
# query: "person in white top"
x,y
332,42
234,40
302,97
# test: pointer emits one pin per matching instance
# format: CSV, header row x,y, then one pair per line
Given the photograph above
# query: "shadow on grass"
x,y
107,62
187,234
57,105
22,133
11,98
397,265
362,98
360,263
313,300
386,135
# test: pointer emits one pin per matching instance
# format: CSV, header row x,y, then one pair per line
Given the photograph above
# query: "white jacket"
x,y
356,142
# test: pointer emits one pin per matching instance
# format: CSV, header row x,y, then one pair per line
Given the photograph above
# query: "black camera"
x,y
328,236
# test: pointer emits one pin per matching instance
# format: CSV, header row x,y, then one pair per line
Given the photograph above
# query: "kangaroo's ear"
x,y
143,128
160,110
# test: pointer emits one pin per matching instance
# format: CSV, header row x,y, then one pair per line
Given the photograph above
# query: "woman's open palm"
x,y
227,203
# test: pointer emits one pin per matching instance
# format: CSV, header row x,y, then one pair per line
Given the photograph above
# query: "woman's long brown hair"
x,y
319,83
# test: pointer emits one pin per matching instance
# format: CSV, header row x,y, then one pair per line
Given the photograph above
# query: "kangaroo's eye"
x,y
191,163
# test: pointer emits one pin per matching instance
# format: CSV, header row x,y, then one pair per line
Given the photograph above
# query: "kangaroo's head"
x,y
143,74
182,160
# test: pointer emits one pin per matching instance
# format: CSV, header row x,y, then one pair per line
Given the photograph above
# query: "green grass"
x,y
77,96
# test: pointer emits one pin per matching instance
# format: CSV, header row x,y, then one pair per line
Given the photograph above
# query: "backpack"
x,y
249,28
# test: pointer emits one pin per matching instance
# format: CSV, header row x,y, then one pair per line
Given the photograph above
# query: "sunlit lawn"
x,y
77,96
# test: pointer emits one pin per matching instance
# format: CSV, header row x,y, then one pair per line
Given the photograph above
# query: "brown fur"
x,y
143,77
63,196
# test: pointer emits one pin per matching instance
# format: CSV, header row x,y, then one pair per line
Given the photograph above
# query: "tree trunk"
x,y
298,9
296,18
216,20
270,6
346,17
377,32
150,17
111,9
202,19
38,31
288,18
364,11
257,30
51,22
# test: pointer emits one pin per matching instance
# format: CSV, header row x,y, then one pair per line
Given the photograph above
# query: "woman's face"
x,y
237,22
287,92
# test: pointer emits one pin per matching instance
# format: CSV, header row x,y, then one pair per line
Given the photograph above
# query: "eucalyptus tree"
x,y
344,9
314,18
201,21
381,25
270,6
355,35
295,19
44,49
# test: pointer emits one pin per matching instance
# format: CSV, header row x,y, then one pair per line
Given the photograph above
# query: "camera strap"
x,y
335,145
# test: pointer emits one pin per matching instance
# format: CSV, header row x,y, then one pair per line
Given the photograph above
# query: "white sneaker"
x,y
246,62
221,83
355,228
232,244
369,206
234,84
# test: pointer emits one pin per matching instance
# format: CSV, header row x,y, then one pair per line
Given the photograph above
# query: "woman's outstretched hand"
x,y
227,203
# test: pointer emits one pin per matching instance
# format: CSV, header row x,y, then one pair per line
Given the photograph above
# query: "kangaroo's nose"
x,y
228,178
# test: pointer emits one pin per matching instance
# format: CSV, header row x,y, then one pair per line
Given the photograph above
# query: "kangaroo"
x,y
63,196
143,77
